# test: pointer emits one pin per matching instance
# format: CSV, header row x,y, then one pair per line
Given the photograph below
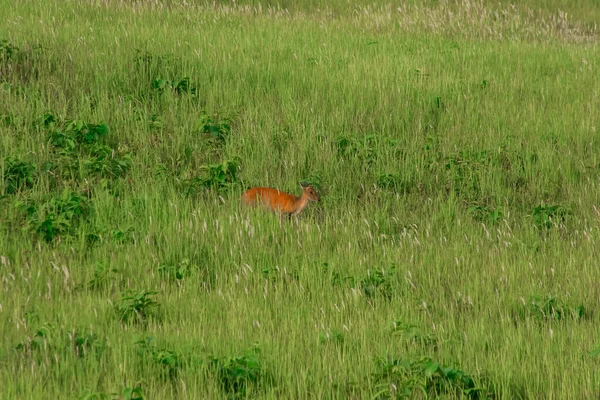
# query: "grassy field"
x,y
454,252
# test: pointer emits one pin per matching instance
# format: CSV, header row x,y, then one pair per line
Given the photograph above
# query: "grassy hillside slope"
x,y
454,251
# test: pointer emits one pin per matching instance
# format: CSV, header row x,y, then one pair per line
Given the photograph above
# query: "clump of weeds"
x,y
85,342
169,362
56,216
17,64
137,307
47,340
128,393
220,177
176,271
216,129
82,149
17,175
41,339
413,335
279,275
240,376
332,336
177,86
485,213
546,216
548,308
395,183
406,378
377,283
102,278
365,149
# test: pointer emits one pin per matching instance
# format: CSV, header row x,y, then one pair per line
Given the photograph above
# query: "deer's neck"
x,y
301,204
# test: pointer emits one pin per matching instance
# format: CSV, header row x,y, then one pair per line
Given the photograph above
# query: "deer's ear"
x,y
304,184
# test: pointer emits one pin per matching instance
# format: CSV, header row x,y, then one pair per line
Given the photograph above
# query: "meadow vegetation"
x,y
454,252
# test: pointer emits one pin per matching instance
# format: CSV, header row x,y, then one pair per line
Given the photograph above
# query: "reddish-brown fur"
x,y
278,201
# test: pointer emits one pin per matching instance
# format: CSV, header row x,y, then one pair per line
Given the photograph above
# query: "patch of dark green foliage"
x,y
7,50
84,343
375,284
413,335
405,378
276,274
78,152
169,362
46,339
128,393
215,128
81,149
177,86
18,175
549,308
546,216
102,277
332,336
176,271
220,177
238,376
123,236
367,148
466,173
486,214
395,183
137,307
16,64
40,339
55,216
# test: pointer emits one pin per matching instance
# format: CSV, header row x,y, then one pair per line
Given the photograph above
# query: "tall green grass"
x,y
453,253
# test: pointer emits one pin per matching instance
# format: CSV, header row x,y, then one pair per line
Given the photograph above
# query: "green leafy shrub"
x,y
76,135
105,162
169,362
47,339
84,343
57,216
365,149
128,393
18,175
82,149
220,177
545,216
176,271
374,284
149,65
215,128
238,375
405,378
276,274
16,64
486,214
102,277
377,283
177,86
332,336
395,183
42,338
413,334
7,50
545,308
136,306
